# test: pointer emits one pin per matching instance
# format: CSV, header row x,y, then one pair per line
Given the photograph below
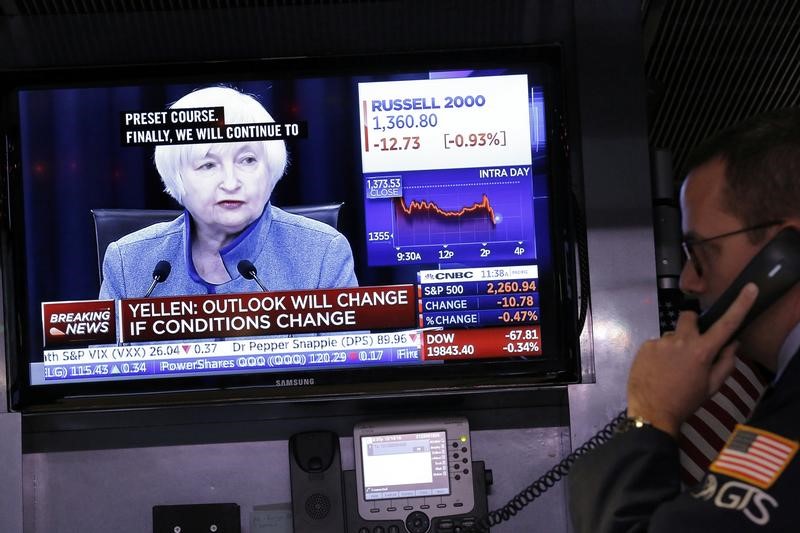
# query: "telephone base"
x,y
416,521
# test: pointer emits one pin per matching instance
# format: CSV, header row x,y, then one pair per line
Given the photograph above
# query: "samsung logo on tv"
x,y
294,382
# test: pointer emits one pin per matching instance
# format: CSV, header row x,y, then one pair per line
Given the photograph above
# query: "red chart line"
x,y
431,207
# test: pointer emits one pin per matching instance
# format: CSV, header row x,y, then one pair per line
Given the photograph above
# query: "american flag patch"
x,y
755,456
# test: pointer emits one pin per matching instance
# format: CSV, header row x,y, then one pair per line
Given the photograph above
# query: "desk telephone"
x,y
411,476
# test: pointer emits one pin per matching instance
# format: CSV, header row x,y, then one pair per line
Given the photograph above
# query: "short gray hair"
x,y
240,108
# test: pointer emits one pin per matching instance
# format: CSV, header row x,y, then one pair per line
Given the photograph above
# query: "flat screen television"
x,y
418,238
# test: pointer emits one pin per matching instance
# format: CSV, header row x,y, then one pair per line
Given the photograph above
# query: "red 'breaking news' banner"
x,y
266,313
84,322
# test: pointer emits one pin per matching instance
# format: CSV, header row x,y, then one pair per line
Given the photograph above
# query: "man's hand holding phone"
x,y
671,377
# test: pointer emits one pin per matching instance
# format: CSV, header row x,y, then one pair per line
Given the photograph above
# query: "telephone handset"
x,y
775,270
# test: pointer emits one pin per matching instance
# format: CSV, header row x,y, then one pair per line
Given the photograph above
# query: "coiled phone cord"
x,y
546,481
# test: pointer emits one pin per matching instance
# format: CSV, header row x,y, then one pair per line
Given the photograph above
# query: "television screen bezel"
x,y
371,381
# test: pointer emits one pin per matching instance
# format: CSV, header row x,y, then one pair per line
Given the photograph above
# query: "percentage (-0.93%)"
x,y
475,140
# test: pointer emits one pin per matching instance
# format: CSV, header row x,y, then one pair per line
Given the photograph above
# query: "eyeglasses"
x,y
689,244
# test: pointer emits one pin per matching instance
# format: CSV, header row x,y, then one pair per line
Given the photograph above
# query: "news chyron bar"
x,y
454,314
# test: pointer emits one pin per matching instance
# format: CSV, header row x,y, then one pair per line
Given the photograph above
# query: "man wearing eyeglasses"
x,y
742,189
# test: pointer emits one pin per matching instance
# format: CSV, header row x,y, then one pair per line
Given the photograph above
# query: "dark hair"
x,y
762,166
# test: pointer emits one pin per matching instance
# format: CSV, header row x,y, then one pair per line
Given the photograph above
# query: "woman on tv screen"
x,y
229,229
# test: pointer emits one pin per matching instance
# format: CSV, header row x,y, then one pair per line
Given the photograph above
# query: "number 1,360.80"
x,y
391,122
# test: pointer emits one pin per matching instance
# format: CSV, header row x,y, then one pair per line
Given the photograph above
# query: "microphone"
x,y
248,271
160,274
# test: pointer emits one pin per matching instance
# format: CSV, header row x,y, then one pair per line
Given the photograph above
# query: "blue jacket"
x,y
632,482
289,251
